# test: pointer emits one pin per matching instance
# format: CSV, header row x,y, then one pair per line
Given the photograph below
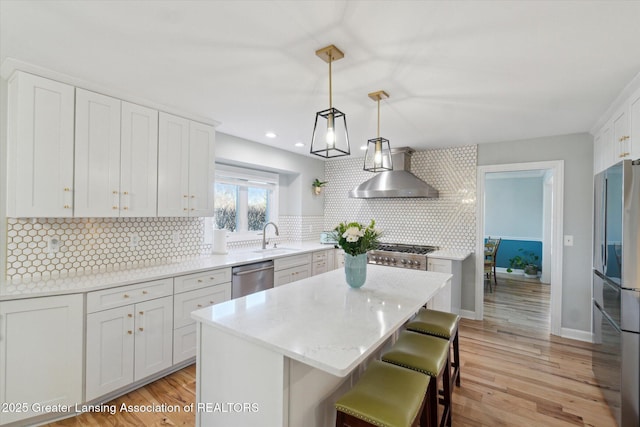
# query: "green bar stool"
x,y
384,396
443,325
428,355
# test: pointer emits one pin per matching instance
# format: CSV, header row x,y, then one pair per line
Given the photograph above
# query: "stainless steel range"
x,y
399,255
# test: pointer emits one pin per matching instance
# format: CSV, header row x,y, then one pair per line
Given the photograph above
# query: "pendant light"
x,y
330,139
378,157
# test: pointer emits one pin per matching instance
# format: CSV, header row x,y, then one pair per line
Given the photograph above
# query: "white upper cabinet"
x,y
116,157
201,169
138,161
97,155
619,138
40,147
185,167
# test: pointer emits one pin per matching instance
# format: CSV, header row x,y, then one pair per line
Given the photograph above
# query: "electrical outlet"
x,y
176,237
134,240
53,245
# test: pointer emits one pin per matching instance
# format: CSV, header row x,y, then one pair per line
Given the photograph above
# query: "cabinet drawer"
x,y
201,280
123,295
319,267
291,261
186,302
439,265
320,256
289,275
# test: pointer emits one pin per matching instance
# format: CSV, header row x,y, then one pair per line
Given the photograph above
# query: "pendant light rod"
x,y
378,96
329,54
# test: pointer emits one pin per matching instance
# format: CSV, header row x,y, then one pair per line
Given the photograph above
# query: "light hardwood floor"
x,y
513,373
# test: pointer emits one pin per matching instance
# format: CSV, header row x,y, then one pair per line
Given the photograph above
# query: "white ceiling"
x,y
457,72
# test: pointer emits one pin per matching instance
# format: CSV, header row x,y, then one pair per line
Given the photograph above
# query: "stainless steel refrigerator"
x,y
616,289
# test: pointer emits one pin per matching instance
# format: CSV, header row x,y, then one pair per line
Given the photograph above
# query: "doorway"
x,y
551,233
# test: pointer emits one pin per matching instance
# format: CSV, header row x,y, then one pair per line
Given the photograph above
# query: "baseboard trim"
x,y
576,334
468,314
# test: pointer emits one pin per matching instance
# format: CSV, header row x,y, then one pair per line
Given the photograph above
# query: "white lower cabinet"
x,y
289,275
128,343
184,332
292,268
40,354
323,261
449,298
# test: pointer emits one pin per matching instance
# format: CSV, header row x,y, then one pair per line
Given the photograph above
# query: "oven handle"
x,y
242,273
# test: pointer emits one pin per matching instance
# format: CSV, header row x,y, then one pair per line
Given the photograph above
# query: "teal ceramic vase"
x,y
355,269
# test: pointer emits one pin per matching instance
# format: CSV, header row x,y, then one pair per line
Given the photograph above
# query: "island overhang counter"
x,y
281,357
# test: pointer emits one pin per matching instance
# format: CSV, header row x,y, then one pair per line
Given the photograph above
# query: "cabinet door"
x,y
448,298
97,155
201,169
39,147
40,353
634,125
621,134
110,342
608,146
153,337
173,166
138,161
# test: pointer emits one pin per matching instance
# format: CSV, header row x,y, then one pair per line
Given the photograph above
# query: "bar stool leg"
x,y
456,359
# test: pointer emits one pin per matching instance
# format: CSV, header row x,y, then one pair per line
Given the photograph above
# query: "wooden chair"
x,y
490,254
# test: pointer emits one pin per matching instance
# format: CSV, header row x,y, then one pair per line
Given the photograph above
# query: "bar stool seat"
x,y
440,324
428,355
384,396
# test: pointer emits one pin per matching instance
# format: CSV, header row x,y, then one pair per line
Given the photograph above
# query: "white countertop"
x,y
321,321
452,254
95,280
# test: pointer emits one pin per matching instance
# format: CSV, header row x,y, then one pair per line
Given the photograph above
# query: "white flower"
x,y
353,234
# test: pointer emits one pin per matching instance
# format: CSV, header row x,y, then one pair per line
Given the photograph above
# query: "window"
x,y
245,199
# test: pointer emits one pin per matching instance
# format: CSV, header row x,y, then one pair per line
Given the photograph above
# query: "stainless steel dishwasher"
x,y
250,278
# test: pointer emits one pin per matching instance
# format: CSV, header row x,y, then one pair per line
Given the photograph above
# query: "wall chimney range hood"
x,y
399,182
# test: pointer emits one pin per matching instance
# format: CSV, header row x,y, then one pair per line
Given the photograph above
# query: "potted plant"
x,y
317,186
527,261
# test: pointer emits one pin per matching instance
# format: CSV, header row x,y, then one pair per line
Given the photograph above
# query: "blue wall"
x,y
510,248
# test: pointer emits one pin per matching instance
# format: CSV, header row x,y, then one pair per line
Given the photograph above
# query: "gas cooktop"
x,y
401,255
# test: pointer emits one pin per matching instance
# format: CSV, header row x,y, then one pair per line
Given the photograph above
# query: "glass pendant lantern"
x,y
330,136
378,156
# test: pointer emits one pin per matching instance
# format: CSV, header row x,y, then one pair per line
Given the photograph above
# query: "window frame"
x,y
244,178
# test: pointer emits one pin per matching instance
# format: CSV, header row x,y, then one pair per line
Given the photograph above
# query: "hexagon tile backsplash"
x,y
87,244
95,244
448,221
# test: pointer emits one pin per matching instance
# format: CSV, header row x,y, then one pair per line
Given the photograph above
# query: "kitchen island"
x,y
281,357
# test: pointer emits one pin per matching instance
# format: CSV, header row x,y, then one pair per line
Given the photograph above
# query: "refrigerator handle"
x,y
605,249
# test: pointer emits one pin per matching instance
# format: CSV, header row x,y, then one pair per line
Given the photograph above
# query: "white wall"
x,y
577,152
513,207
296,195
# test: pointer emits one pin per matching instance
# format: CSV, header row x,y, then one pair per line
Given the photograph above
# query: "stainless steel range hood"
x,y
399,182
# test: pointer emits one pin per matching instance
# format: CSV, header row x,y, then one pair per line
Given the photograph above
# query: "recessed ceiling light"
x,y
299,144
270,135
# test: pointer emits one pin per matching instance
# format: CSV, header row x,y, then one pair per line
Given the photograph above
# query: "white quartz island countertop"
x,y
322,322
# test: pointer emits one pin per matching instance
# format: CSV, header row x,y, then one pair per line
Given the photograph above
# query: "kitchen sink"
x,y
275,251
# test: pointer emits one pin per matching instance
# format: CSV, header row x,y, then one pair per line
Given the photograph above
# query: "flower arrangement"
x,y
356,239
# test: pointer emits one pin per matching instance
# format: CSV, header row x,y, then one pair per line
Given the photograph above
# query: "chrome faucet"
x,y
264,234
